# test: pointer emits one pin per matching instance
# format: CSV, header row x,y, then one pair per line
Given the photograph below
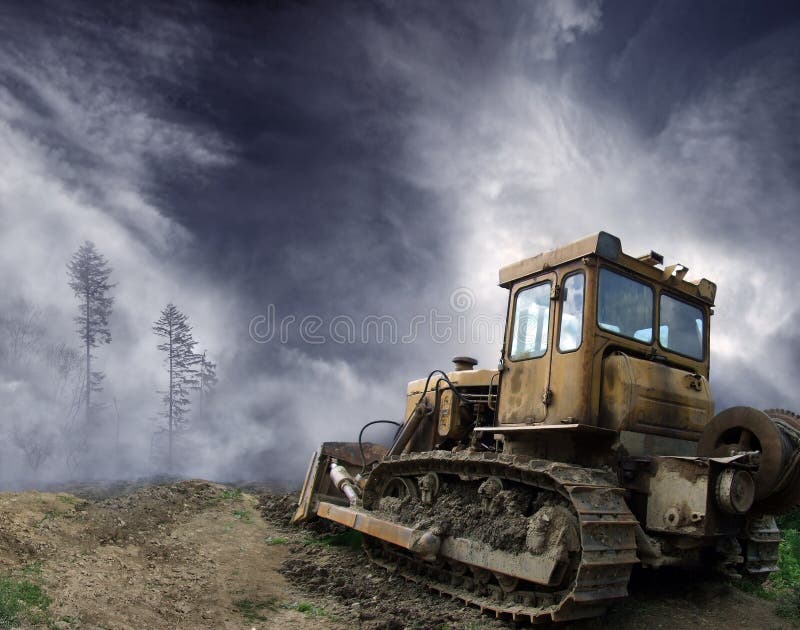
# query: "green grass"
x,y
22,599
243,515
348,538
233,494
783,586
230,494
785,582
309,610
252,609
48,516
276,541
65,498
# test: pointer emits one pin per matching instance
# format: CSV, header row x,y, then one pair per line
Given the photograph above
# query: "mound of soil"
x,y
182,555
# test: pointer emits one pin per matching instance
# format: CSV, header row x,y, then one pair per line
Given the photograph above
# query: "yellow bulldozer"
x,y
533,490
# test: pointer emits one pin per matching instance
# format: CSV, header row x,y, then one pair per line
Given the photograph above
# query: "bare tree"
x,y
36,445
180,363
89,278
46,385
23,333
206,382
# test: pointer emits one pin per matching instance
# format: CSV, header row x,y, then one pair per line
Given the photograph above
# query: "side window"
x,y
531,322
625,306
571,330
681,328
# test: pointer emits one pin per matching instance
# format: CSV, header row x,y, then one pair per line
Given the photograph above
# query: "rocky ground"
x,y
194,554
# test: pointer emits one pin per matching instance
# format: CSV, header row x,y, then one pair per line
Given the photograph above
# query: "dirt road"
x,y
201,555
189,555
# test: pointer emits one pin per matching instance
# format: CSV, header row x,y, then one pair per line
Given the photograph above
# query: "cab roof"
x,y
609,247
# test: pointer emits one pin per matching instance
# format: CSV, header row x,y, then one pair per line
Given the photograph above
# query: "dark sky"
x,y
363,159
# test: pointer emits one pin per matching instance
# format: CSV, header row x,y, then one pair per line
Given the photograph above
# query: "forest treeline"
x,y
59,412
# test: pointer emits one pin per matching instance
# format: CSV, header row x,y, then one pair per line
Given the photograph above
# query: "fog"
x,y
372,166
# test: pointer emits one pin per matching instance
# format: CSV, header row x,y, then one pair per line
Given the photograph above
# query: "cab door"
x,y
571,358
525,378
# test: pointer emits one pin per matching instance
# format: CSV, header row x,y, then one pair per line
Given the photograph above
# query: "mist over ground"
x,y
359,172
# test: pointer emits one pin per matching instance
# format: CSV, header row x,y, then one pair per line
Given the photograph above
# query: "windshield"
x,y
531,321
625,306
681,328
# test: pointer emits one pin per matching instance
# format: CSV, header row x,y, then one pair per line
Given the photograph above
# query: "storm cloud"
x,y
382,160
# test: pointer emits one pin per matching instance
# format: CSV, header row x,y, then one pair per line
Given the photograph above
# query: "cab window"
x,y
681,327
531,322
625,306
571,329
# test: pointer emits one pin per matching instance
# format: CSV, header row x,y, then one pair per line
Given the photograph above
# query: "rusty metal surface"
x,y
590,245
648,397
549,428
525,566
608,247
348,453
310,487
367,524
679,496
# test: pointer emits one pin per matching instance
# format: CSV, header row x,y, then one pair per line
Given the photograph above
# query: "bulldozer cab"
x,y
597,337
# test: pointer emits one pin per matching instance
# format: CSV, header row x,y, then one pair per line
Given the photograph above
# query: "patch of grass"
x,y
309,610
276,541
229,494
788,574
22,599
49,515
33,569
783,586
243,515
754,587
348,538
251,610
65,498
233,494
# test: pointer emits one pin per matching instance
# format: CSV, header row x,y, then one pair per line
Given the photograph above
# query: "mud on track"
x,y
321,563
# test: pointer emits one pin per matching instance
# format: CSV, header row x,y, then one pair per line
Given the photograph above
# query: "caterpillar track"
x,y
598,570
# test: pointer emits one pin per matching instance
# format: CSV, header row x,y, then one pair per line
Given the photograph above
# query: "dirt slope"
x,y
189,555
199,555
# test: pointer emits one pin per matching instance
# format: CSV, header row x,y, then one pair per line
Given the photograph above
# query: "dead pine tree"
x,y
206,381
180,362
89,275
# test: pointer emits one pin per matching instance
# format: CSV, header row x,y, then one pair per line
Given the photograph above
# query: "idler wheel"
x,y
400,487
746,429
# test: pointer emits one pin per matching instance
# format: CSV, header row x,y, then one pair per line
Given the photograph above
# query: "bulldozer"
x,y
534,489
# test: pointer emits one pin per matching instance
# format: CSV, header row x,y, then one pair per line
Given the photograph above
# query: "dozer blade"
x,y
317,484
